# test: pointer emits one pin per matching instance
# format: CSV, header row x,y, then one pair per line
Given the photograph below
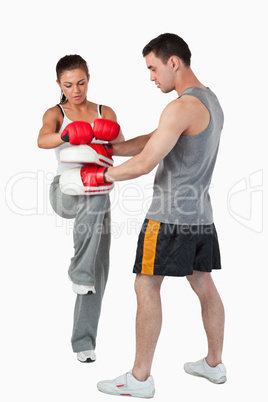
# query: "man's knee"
x,y
200,281
147,285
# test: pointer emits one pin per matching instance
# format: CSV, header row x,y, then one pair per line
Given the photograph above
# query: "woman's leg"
x,y
88,307
91,236
87,233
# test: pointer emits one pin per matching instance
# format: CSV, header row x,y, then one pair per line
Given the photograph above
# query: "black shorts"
x,y
176,250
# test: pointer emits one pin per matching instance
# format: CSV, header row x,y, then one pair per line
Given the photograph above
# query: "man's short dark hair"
x,y
167,45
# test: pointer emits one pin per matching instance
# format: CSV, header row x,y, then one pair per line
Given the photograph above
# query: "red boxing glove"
x,y
105,130
77,132
88,180
93,176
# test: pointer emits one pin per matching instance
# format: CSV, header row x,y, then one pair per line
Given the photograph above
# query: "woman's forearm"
x,y
49,140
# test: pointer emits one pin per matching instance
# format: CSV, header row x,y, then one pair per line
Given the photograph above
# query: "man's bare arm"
x,y
174,120
131,147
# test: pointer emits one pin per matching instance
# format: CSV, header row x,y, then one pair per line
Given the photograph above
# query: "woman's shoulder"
x,y
53,116
53,112
108,112
105,111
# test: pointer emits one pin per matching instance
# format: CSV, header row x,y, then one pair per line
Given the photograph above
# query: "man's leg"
x,y
148,323
139,382
212,314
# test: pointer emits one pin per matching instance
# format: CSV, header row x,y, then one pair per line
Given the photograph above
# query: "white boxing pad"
x,y
71,183
86,154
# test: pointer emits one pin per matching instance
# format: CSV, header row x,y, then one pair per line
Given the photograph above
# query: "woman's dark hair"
x,y
167,45
68,63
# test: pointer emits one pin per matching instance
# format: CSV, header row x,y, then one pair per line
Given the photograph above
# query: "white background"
x,y
228,41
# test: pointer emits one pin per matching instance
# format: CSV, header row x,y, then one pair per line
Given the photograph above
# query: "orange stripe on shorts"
x,y
149,247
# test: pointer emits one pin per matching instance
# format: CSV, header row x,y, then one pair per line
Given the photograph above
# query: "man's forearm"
x,y
131,147
131,169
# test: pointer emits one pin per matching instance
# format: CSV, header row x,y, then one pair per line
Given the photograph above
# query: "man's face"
x,y
162,74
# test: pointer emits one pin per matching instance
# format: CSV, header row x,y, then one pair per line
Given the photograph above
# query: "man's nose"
x,y
152,76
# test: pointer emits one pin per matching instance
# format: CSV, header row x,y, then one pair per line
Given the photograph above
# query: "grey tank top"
x,y
181,187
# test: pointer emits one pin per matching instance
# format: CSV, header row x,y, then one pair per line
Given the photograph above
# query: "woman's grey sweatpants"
x,y
90,263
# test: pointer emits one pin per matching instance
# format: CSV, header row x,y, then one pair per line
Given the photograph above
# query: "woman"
x,y
91,246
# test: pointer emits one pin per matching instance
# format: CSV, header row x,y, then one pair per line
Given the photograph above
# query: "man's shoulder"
x,y
183,105
185,101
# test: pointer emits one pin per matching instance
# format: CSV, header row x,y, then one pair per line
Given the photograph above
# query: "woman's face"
x,y
74,85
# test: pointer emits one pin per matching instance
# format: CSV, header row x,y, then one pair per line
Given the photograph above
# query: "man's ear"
x,y
174,63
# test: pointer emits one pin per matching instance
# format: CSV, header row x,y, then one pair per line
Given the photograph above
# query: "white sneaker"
x,y
88,356
82,289
127,385
217,374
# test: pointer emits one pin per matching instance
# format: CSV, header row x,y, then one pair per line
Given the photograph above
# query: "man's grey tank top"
x,y
181,187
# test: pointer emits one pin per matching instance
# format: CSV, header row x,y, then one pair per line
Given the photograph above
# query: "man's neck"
x,y
187,80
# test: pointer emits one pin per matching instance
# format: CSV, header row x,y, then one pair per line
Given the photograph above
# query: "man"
x,y
178,237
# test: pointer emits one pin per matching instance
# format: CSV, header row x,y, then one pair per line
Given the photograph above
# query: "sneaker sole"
x,y
221,380
88,360
111,392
